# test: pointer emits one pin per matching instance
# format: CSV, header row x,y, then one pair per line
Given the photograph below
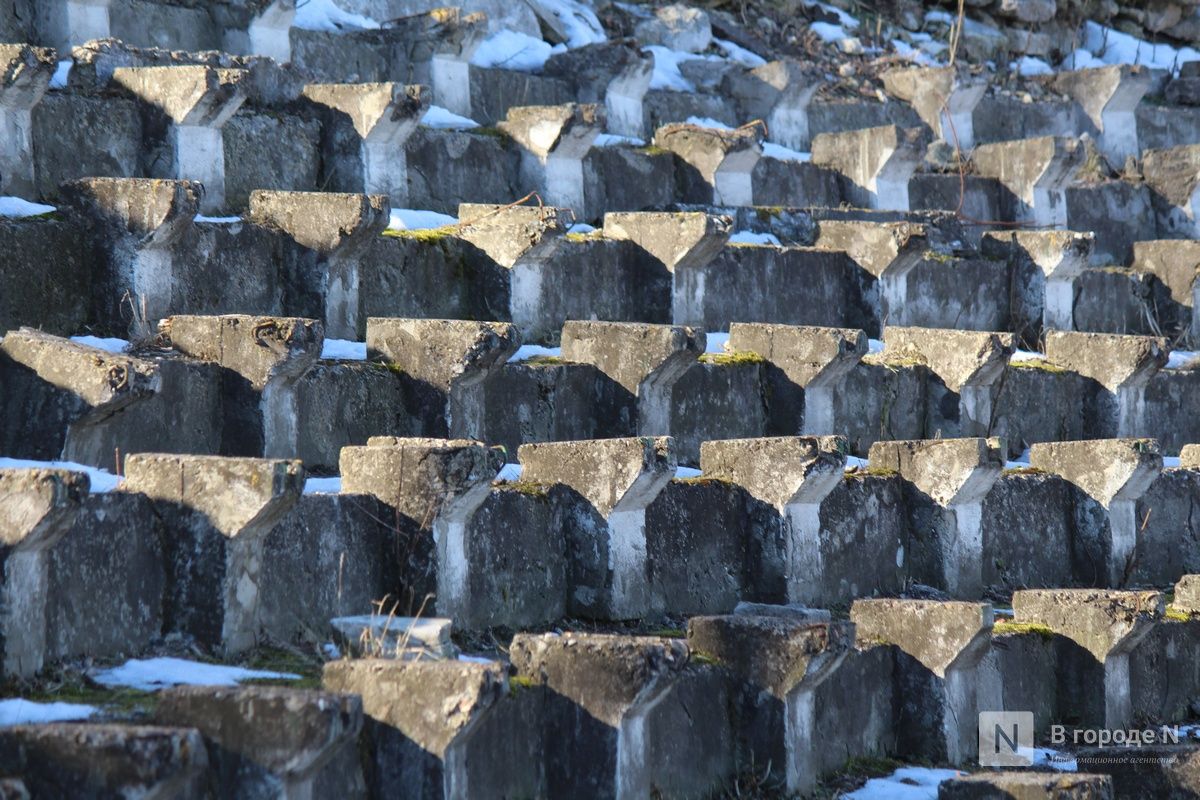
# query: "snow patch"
x,y
687,472
413,219
445,119
1170,462
475,659
844,19
916,55
666,68
217,220
874,346
62,74
708,122
735,52
1114,47
581,228
528,351
1030,66
15,207
750,237
580,23
854,462
156,673
102,481
906,783
1025,355
16,711
717,342
343,350
781,153
325,15
509,472
828,32
1045,757
107,345
323,485
1182,359
508,49
611,139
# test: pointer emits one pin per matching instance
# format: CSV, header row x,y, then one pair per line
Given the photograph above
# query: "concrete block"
x,y
1037,171
878,161
1115,473
943,97
722,160
24,77
793,475
1027,786
677,239
941,646
554,141
645,360
1105,624
509,233
1122,365
619,478
1061,256
1109,97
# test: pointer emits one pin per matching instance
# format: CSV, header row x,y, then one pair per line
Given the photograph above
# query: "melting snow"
x,y
1045,757
411,219
438,117
708,122
157,673
687,472
26,712
854,462
581,228
101,480
325,15
735,52
580,22
528,351
610,139
828,32
843,18
1171,461
906,783
475,659
323,485
750,237
509,49
344,350
16,207
1029,66
1113,47
1081,59
914,54
107,345
874,346
666,68
717,342
509,472
217,220
62,74
778,151
1180,359
1026,355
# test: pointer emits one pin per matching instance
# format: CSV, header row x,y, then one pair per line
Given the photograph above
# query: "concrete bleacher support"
x,y
722,160
553,142
270,31
1121,365
24,77
68,23
1037,171
943,98
1062,256
1109,97
879,162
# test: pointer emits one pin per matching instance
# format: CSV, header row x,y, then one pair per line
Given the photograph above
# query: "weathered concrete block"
x,y
619,478
878,161
1061,256
221,509
435,487
639,710
67,23
1027,786
955,475
553,141
24,77
364,130
198,101
645,360
1109,97
1187,594
1123,365
1037,172
265,738
943,97
888,250
263,358
615,72
970,363
777,663
45,282
939,647
39,508
1175,263
337,228
428,730
106,760
1107,625
509,233
686,238
792,475
779,92
269,150
719,162
1151,771
136,223
816,360
269,31
1115,473
448,360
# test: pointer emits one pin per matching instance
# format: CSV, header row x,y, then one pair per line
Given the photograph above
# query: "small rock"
x,y
1028,10
678,27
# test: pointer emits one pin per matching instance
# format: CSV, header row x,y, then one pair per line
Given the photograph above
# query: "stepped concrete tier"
x,y
565,399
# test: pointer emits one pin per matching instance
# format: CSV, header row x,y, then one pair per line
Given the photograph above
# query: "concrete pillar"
x,y
141,222
619,478
270,31
1122,365
1115,473
553,142
944,98
381,116
338,227
37,508
221,510
25,74
970,363
452,356
754,649
956,475
1106,624
509,234
725,159
438,484
793,475
1037,171
677,239
64,24
817,360
1061,256
961,635
887,250
646,360
198,101
624,99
